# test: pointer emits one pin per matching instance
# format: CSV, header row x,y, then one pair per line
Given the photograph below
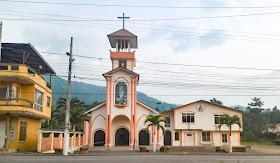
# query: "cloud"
x,y
212,38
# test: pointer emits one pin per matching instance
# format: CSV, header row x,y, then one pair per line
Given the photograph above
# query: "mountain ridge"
x,y
90,93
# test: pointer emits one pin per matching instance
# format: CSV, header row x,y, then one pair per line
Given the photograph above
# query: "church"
x,y
119,121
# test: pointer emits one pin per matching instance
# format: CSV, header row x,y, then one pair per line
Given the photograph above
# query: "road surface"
x,y
141,159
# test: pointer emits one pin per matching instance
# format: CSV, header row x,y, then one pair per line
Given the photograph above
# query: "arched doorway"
x,y
144,137
167,138
122,137
99,138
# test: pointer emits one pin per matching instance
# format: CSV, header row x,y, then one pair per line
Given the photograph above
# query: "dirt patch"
x,y
262,148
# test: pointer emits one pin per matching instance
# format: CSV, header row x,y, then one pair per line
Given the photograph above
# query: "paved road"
x,y
141,159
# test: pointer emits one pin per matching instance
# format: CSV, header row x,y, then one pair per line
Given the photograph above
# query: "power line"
x,y
162,31
169,19
142,6
56,15
184,27
178,64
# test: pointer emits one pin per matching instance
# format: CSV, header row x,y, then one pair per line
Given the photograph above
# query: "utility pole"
x,y
1,24
67,112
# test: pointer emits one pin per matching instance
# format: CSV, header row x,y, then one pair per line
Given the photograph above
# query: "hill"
x,y
239,107
90,93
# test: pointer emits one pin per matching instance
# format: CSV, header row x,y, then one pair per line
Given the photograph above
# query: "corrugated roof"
x,y
14,52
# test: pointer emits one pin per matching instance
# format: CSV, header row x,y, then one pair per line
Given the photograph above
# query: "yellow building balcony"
x,y
22,74
24,92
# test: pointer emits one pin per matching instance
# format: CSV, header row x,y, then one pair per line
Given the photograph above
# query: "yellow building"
x,y
25,96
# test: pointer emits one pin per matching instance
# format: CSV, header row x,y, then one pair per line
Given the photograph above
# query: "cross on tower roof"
x,y
123,17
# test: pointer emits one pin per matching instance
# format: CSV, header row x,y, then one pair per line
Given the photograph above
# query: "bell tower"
x,y
123,42
121,96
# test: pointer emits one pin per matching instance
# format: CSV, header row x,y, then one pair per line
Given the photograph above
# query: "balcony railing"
x,y
16,102
22,70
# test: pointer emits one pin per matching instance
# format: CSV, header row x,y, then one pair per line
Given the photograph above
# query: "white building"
x,y
120,120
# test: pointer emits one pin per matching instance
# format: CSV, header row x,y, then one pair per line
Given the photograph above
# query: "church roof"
x,y
122,32
205,102
125,35
96,107
121,69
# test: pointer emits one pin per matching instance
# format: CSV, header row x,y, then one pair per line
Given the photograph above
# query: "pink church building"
x,y
119,121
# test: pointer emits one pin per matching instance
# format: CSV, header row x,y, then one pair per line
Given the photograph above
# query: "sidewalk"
x,y
130,151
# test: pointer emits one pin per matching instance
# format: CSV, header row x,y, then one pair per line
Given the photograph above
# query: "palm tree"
x,y
77,109
229,121
215,101
155,120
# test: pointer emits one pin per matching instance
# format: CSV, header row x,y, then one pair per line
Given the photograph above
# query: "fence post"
x,y
39,145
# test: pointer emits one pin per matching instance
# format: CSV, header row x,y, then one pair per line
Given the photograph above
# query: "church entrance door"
x,y
144,137
99,138
122,137
167,138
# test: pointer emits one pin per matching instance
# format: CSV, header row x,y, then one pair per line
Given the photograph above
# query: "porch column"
x,y
107,112
52,136
158,138
212,139
132,117
89,132
7,143
153,133
39,145
135,109
110,113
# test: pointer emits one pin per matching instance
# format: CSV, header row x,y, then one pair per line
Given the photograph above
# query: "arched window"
x,y
121,94
176,135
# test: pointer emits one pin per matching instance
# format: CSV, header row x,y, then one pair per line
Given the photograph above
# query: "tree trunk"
x,y
155,139
230,146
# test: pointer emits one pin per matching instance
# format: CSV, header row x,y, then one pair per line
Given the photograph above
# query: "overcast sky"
x,y
204,38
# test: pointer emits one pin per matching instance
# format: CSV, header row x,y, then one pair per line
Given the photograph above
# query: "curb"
x,y
138,153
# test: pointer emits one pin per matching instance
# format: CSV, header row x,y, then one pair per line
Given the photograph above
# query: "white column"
x,y
39,145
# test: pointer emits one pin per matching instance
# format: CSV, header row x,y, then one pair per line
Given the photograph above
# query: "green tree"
x,y
229,121
155,120
255,120
215,101
274,116
77,116
94,104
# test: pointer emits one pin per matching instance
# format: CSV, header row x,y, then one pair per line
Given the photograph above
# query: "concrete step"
x,y
191,149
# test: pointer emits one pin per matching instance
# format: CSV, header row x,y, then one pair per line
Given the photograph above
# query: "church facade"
x,y
119,121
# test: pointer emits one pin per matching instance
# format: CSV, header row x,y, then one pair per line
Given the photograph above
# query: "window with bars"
x,y
9,92
205,136
38,104
224,138
167,123
217,118
48,101
177,136
23,131
188,117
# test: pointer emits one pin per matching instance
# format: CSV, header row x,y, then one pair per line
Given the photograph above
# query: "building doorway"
x,y
189,139
122,137
99,138
167,138
144,137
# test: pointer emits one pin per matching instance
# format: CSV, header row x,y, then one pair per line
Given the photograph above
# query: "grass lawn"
x,y
266,148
